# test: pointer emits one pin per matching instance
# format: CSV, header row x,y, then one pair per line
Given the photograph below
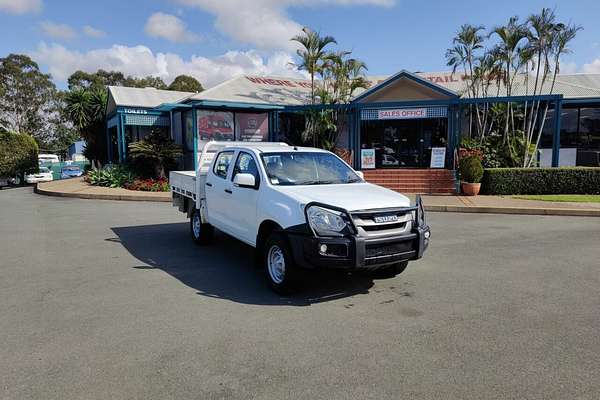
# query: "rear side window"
x,y
222,164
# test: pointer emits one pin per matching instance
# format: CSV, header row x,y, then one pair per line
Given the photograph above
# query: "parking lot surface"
x,y
112,300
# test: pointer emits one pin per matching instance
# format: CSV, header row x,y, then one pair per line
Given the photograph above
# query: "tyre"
x,y
280,269
202,233
390,271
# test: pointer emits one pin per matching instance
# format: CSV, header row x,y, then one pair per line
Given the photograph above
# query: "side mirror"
x,y
360,174
245,181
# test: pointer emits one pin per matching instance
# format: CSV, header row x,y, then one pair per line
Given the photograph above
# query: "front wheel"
x,y
202,233
280,269
390,271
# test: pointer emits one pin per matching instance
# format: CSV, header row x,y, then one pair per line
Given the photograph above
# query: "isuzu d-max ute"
x,y
301,208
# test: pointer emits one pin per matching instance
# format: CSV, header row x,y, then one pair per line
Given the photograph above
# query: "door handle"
x,y
228,191
208,184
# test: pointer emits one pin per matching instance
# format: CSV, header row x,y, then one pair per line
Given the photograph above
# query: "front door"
x,y
410,148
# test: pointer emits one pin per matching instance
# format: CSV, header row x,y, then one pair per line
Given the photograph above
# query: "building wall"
x,y
404,90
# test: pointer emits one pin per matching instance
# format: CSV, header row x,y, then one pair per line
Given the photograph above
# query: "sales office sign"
x,y
402,113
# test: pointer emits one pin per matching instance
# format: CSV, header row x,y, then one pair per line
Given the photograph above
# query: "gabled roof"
x,y
272,90
408,75
142,97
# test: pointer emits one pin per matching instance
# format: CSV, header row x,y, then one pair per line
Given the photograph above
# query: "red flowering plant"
x,y
149,185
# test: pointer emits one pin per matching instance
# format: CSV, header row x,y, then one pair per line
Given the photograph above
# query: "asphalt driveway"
x,y
112,300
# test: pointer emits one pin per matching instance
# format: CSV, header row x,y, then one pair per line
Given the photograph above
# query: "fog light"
x,y
427,234
323,249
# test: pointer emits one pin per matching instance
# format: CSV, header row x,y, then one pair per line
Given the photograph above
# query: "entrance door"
x,y
410,148
404,143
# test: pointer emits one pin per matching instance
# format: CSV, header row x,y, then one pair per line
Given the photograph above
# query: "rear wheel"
x,y
391,270
202,233
280,269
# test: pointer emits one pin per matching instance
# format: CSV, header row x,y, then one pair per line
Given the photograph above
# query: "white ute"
x,y
300,208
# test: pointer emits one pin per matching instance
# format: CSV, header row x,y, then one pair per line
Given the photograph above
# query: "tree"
x,y
86,109
18,154
26,95
157,150
186,83
311,54
511,36
467,42
102,78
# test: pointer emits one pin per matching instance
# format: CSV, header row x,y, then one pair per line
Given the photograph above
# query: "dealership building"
x,y
406,121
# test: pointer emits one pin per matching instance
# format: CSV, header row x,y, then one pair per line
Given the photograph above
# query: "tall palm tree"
x,y
311,54
511,37
466,43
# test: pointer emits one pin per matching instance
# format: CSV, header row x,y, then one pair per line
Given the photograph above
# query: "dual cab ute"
x,y
301,208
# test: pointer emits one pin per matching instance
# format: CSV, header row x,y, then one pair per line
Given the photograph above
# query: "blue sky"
x,y
216,39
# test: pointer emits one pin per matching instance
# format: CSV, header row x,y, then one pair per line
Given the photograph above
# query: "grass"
x,y
576,198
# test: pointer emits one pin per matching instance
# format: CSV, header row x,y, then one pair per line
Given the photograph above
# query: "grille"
x,y
366,225
389,249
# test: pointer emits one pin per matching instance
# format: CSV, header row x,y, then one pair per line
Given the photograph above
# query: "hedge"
x,y
572,180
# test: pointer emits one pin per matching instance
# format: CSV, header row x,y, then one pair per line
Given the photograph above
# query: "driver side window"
x,y
222,164
245,164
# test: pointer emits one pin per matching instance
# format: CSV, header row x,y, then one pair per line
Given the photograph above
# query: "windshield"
x,y
307,168
71,169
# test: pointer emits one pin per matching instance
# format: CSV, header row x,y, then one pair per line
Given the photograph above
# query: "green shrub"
x,y
113,175
573,180
470,169
18,154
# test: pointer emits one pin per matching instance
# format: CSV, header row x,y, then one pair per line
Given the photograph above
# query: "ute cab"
x,y
301,208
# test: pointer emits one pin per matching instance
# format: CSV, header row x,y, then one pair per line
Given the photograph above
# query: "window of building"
x,y
252,127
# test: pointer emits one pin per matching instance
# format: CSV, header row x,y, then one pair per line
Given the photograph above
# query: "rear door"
x,y
244,200
218,191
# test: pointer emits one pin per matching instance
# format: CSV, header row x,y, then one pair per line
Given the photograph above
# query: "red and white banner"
x,y
402,113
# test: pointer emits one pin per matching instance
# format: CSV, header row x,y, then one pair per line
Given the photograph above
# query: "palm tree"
x,y
312,53
467,42
86,109
156,149
511,36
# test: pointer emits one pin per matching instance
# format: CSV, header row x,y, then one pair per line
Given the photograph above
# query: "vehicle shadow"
x,y
226,269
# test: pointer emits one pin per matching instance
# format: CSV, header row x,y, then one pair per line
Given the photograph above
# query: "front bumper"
x,y
355,252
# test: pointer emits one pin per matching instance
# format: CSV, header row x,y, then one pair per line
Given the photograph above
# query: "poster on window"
x,y
367,158
215,125
252,127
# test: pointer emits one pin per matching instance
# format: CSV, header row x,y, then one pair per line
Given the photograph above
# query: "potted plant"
x,y
471,172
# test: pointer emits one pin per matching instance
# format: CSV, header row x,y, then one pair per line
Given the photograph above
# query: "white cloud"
x,y
265,23
593,67
141,61
169,27
20,6
58,31
93,32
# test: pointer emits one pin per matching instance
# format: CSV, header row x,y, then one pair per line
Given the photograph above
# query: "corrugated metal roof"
x,y
142,97
275,90
569,85
259,90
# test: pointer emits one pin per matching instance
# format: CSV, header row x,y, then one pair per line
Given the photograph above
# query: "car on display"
x,y
70,171
44,175
301,208
215,127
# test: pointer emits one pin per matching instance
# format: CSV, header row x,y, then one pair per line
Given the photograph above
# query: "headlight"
x,y
324,221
